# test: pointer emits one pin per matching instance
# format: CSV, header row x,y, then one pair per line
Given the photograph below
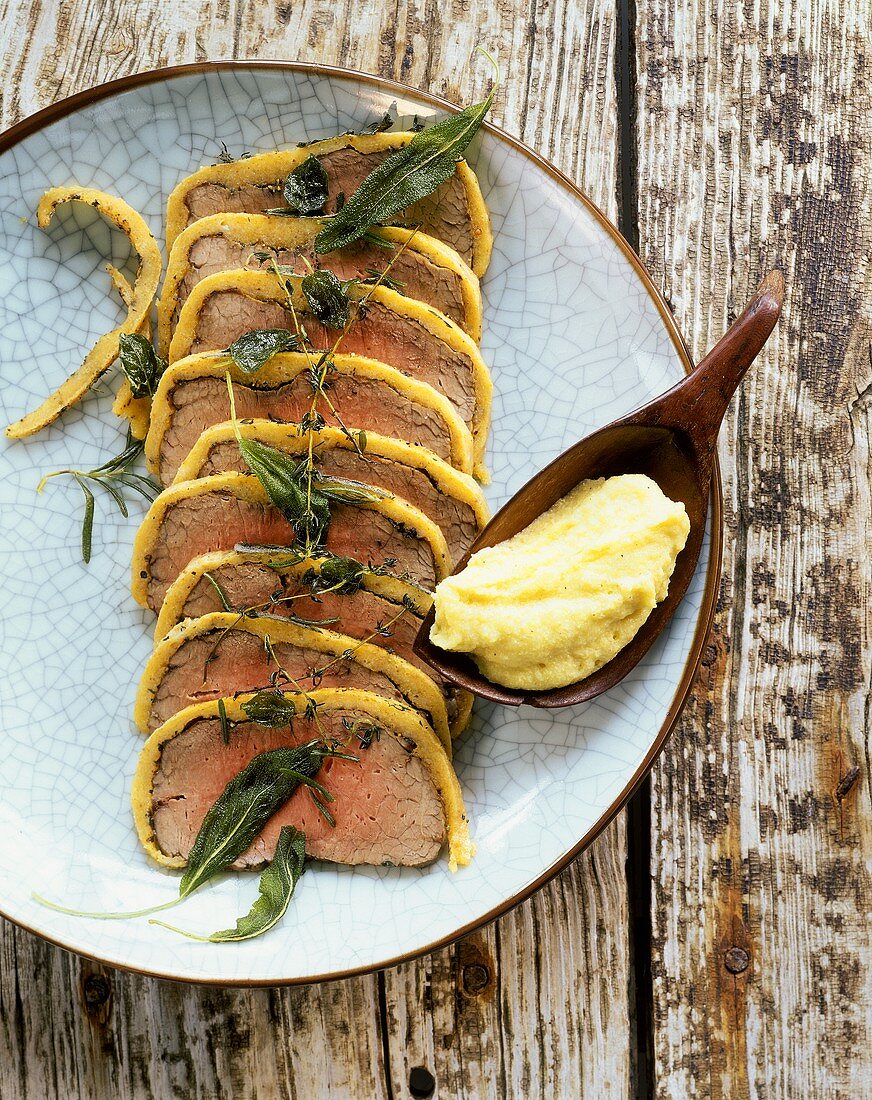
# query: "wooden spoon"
x,y
672,440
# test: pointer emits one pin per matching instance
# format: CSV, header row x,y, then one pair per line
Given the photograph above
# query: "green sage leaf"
x,y
275,890
406,176
140,363
327,298
343,490
342,575
254,349
243,808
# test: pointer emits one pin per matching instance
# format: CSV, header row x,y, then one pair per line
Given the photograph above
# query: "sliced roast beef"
x,y
385,621
380,401
226,661
387,808
383,611
454,212
390,328
459,518
224,245
195,518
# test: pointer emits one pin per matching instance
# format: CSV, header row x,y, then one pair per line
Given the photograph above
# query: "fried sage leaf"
x,y
338,574
246,804
327,297
305,190
407,175
141,363
275,890
254,349
271,709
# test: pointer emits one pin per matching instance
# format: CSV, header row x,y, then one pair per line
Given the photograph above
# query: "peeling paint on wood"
x,y
755,150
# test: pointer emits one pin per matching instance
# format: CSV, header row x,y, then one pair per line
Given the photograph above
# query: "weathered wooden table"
x,y
714,941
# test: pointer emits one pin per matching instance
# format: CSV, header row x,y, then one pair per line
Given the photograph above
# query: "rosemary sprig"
x,y
114,477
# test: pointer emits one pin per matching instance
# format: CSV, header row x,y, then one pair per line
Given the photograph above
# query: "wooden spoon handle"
x,y
706,392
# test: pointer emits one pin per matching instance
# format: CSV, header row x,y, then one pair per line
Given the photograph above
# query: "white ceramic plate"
x,y
575,335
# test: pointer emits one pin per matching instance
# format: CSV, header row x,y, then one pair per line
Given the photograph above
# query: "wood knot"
x,y
475,969
96,990
475,979
736,960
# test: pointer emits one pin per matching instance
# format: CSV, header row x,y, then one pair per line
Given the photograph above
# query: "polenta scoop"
x,y
670,440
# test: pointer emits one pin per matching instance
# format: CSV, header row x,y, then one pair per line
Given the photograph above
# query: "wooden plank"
x,y
541,998
754,151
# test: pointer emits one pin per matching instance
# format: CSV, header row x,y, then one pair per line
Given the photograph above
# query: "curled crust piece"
x,y
414,686
171,435
136,410
427,268
105,351
211,318
400,722
257,181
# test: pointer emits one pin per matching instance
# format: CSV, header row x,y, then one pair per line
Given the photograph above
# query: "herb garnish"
x,y
239,814
304,191
141,363
407,175
327,297
254,349
114,476
271,709
299,492
225,725
275,890
246,804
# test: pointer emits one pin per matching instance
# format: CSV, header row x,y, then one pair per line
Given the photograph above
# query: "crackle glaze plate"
x,y
575,335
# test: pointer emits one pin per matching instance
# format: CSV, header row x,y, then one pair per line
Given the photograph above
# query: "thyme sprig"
x,y
382,630
114,477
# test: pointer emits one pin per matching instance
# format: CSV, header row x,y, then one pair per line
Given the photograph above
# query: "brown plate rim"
x,y
63,107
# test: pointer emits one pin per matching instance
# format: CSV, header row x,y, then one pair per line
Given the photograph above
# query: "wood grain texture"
x,y
536,1005
754,151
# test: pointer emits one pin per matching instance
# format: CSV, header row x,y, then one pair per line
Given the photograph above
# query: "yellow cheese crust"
x,y
416,686
266,287
396,718
287,234
270,169
284,368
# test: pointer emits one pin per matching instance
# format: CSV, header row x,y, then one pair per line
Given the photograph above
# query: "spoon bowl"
x,y
672,440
